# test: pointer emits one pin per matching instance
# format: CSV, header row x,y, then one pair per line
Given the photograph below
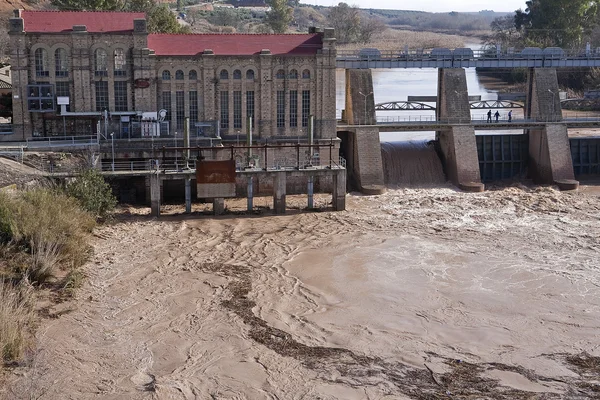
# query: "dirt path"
x,y
418,293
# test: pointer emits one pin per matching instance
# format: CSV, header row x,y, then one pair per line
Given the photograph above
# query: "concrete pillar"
x,y
279,191
457,144
155,195
367,165
360,99
339,190
188,195
218,206
550,159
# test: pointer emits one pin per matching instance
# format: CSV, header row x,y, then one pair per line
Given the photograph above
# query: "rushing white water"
x,y
411,163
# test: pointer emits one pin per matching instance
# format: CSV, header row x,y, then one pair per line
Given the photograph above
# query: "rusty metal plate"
x,y
215,179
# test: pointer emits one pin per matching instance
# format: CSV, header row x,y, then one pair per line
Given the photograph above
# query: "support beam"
x,y
155,195
218,206
339,190
360,98
310,191
550,159
457,144
188,196
279,192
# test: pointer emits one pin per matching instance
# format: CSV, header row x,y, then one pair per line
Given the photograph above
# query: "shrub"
x,y
15,314
5,219
93,193
53,230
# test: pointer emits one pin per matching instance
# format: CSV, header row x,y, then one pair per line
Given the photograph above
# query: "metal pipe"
x,y
250,194
249,140
310,191
188,196
186,141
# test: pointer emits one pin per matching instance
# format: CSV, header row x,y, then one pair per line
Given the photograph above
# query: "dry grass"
x,y
52,227
16,313
43,234
392,39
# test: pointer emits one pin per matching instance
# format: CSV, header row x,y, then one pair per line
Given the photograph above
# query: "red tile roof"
x,y
63,21
234,44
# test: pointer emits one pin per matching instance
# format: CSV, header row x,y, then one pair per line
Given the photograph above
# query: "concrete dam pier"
x,y
549,155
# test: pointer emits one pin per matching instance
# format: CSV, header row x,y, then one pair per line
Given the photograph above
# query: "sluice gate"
x,y
503,157
585,152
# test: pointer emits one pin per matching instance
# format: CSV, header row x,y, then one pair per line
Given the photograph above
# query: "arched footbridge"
x,y
417,105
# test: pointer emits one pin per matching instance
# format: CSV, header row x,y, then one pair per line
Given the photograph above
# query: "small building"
x,y
108,71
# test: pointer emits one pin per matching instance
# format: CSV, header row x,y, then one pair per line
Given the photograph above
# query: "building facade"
x,y
87,73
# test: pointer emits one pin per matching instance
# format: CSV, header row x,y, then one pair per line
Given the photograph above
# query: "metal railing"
x,y
62,141
266,157
478,119
130,166
6,129
442,54
14,152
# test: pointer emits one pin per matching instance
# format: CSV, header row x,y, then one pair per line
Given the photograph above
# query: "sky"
x,y
429,5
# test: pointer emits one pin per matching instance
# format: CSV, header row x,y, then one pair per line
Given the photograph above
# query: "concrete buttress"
x,y
457,143
550,159
360,110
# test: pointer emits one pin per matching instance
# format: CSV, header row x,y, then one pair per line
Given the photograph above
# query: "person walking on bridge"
x,y
489,114
497,115
510,116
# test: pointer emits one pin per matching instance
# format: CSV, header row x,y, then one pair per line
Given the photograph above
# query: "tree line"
x,y
549,23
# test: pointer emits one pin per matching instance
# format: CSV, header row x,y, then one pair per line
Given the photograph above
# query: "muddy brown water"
x,y
414,294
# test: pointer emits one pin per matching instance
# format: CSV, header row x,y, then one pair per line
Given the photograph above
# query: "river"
x,y
413,294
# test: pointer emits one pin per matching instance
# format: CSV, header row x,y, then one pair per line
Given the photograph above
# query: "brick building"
x,y
113,72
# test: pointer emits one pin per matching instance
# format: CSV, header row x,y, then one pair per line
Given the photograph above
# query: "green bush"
x,y
93,193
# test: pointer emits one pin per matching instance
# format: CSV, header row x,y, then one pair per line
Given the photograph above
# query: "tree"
x,y
369,27
346,22
504,32
559,23
87,5
224,16
280,16
162,20
159,16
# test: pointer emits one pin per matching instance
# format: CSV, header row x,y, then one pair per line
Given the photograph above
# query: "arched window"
x,y
237,74
224,74
41,62
193,75
294,74
306,74
101,62
119,60
166,75
280,74
179,75
61,63
250,75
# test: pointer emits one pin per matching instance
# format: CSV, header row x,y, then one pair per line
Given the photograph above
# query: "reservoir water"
x,y
397,84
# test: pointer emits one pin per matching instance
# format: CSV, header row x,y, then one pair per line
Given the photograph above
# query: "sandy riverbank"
x,y
418,293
